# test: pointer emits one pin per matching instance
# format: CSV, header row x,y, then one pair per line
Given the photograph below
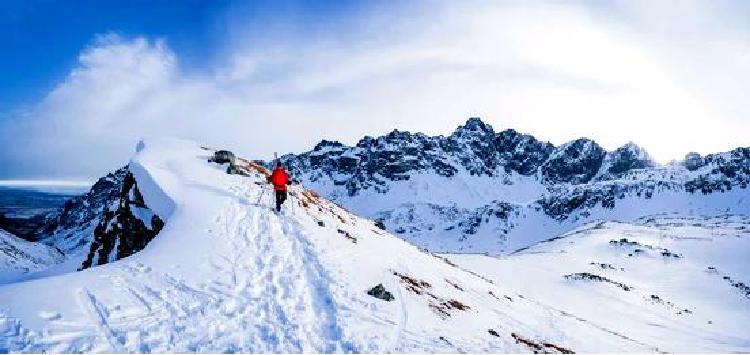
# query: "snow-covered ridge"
x,y
226,274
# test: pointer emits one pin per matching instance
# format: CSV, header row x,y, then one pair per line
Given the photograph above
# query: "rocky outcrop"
x,y
125,227
226,157
562,202
70,229
693,161
720,172
624,159
521,152
380,292
576,162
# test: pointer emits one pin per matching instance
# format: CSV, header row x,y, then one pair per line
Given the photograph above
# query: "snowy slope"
x,y
498,228
226,274
677,283
18,256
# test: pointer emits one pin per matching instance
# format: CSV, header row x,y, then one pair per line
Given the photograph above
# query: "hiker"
x,y
279,178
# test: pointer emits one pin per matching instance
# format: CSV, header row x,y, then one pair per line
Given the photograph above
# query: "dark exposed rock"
x,y
561,202
576,162
626,158
597,278
227,157
128,226
380,292
26,227
543,347
693,161
70,228
724,171
222,157
522,153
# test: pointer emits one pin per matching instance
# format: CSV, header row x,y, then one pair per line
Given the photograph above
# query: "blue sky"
x,y
84,80
42,39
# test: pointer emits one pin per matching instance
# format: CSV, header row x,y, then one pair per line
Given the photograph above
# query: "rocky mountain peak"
x,y
521,152
323,144
474,126
628,157
575,162
693,161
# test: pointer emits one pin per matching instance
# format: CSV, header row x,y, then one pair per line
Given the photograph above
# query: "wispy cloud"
x,y
614,73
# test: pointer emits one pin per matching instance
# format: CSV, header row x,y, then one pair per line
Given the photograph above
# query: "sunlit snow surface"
x,y
687,279
227,274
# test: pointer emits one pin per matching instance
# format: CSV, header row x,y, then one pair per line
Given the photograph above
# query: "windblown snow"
x,y
226,274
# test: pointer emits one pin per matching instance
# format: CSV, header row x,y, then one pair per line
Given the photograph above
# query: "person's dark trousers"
x,y
280,198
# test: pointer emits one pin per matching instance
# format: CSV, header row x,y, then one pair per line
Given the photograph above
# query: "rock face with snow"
x,y
626,158
576,162
473,149
721,172
71,229
478,190
521,152
124,228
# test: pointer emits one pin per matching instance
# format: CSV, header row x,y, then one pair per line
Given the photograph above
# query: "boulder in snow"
x,y
380,292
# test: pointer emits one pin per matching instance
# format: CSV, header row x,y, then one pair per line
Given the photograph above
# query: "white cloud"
x,y
558,71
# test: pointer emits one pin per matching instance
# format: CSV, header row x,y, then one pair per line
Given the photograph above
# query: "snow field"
x,y
678,299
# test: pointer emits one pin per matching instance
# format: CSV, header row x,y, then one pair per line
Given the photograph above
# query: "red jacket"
x,y
279,178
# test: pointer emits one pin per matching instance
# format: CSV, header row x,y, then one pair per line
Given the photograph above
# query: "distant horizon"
x,y
45,183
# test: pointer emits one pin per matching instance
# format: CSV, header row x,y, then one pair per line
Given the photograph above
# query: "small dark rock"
x,y
380,292
223,156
